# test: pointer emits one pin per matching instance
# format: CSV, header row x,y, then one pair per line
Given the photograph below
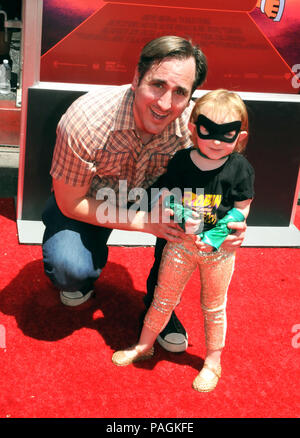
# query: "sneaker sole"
x,y
73,302
179,346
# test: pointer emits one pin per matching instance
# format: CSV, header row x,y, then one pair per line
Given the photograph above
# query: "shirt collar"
x,y
124,116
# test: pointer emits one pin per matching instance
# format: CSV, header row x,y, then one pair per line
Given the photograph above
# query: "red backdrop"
x,y
98,42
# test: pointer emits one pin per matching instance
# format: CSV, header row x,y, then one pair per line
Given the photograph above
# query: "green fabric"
x,y
181,213
214,237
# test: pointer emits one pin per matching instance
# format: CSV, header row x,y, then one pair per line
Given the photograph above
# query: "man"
x,y
125,133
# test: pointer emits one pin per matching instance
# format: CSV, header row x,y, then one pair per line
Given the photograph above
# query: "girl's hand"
x,y
201,245
192,224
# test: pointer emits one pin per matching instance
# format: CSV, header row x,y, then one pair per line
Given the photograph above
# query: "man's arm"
x,y
234,241
76,204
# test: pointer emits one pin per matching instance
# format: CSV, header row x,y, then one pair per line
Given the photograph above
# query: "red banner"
x,y
104,43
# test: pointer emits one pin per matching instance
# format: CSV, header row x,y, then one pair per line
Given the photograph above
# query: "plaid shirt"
x,y
96,143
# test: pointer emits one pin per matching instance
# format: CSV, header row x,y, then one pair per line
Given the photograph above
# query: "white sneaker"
x,y
74,298
174,342
174,337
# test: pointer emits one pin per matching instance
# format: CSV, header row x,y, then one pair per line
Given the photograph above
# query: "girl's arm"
x,y
234,241
217,235
243,207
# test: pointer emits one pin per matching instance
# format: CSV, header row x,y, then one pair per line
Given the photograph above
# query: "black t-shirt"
x,y
212,192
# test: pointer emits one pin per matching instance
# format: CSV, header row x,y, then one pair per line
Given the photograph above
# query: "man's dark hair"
x,y
171,46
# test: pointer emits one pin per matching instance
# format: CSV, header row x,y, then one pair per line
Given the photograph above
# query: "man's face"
x,y
162,95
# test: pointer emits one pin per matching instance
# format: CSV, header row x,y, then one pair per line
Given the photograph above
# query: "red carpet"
x,y
56,362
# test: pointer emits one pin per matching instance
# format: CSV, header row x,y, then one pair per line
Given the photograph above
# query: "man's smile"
x,y
157,115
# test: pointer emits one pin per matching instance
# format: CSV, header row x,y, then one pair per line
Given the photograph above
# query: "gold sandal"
x,y
120,358
206,384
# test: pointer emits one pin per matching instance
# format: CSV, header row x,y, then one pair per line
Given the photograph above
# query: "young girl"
x,y
219,126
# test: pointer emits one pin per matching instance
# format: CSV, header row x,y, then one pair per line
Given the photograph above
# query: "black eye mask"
x,y
226,132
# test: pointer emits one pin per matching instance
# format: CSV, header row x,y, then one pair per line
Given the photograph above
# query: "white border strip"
x,y
273,97
31,233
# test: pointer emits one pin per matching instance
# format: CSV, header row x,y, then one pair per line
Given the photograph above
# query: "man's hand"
x,y
234,241
160,222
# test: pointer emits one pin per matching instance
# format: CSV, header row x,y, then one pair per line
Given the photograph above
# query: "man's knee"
x,y
70,276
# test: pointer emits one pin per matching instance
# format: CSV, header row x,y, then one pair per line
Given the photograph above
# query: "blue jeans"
x,y
74,252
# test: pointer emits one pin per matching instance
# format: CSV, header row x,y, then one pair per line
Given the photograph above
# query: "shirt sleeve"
x,y
73,159
243,188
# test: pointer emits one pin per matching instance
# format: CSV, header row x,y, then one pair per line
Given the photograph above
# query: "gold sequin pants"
x,y
179,260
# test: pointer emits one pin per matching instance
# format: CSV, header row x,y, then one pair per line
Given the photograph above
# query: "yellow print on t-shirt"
x,y
205,204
